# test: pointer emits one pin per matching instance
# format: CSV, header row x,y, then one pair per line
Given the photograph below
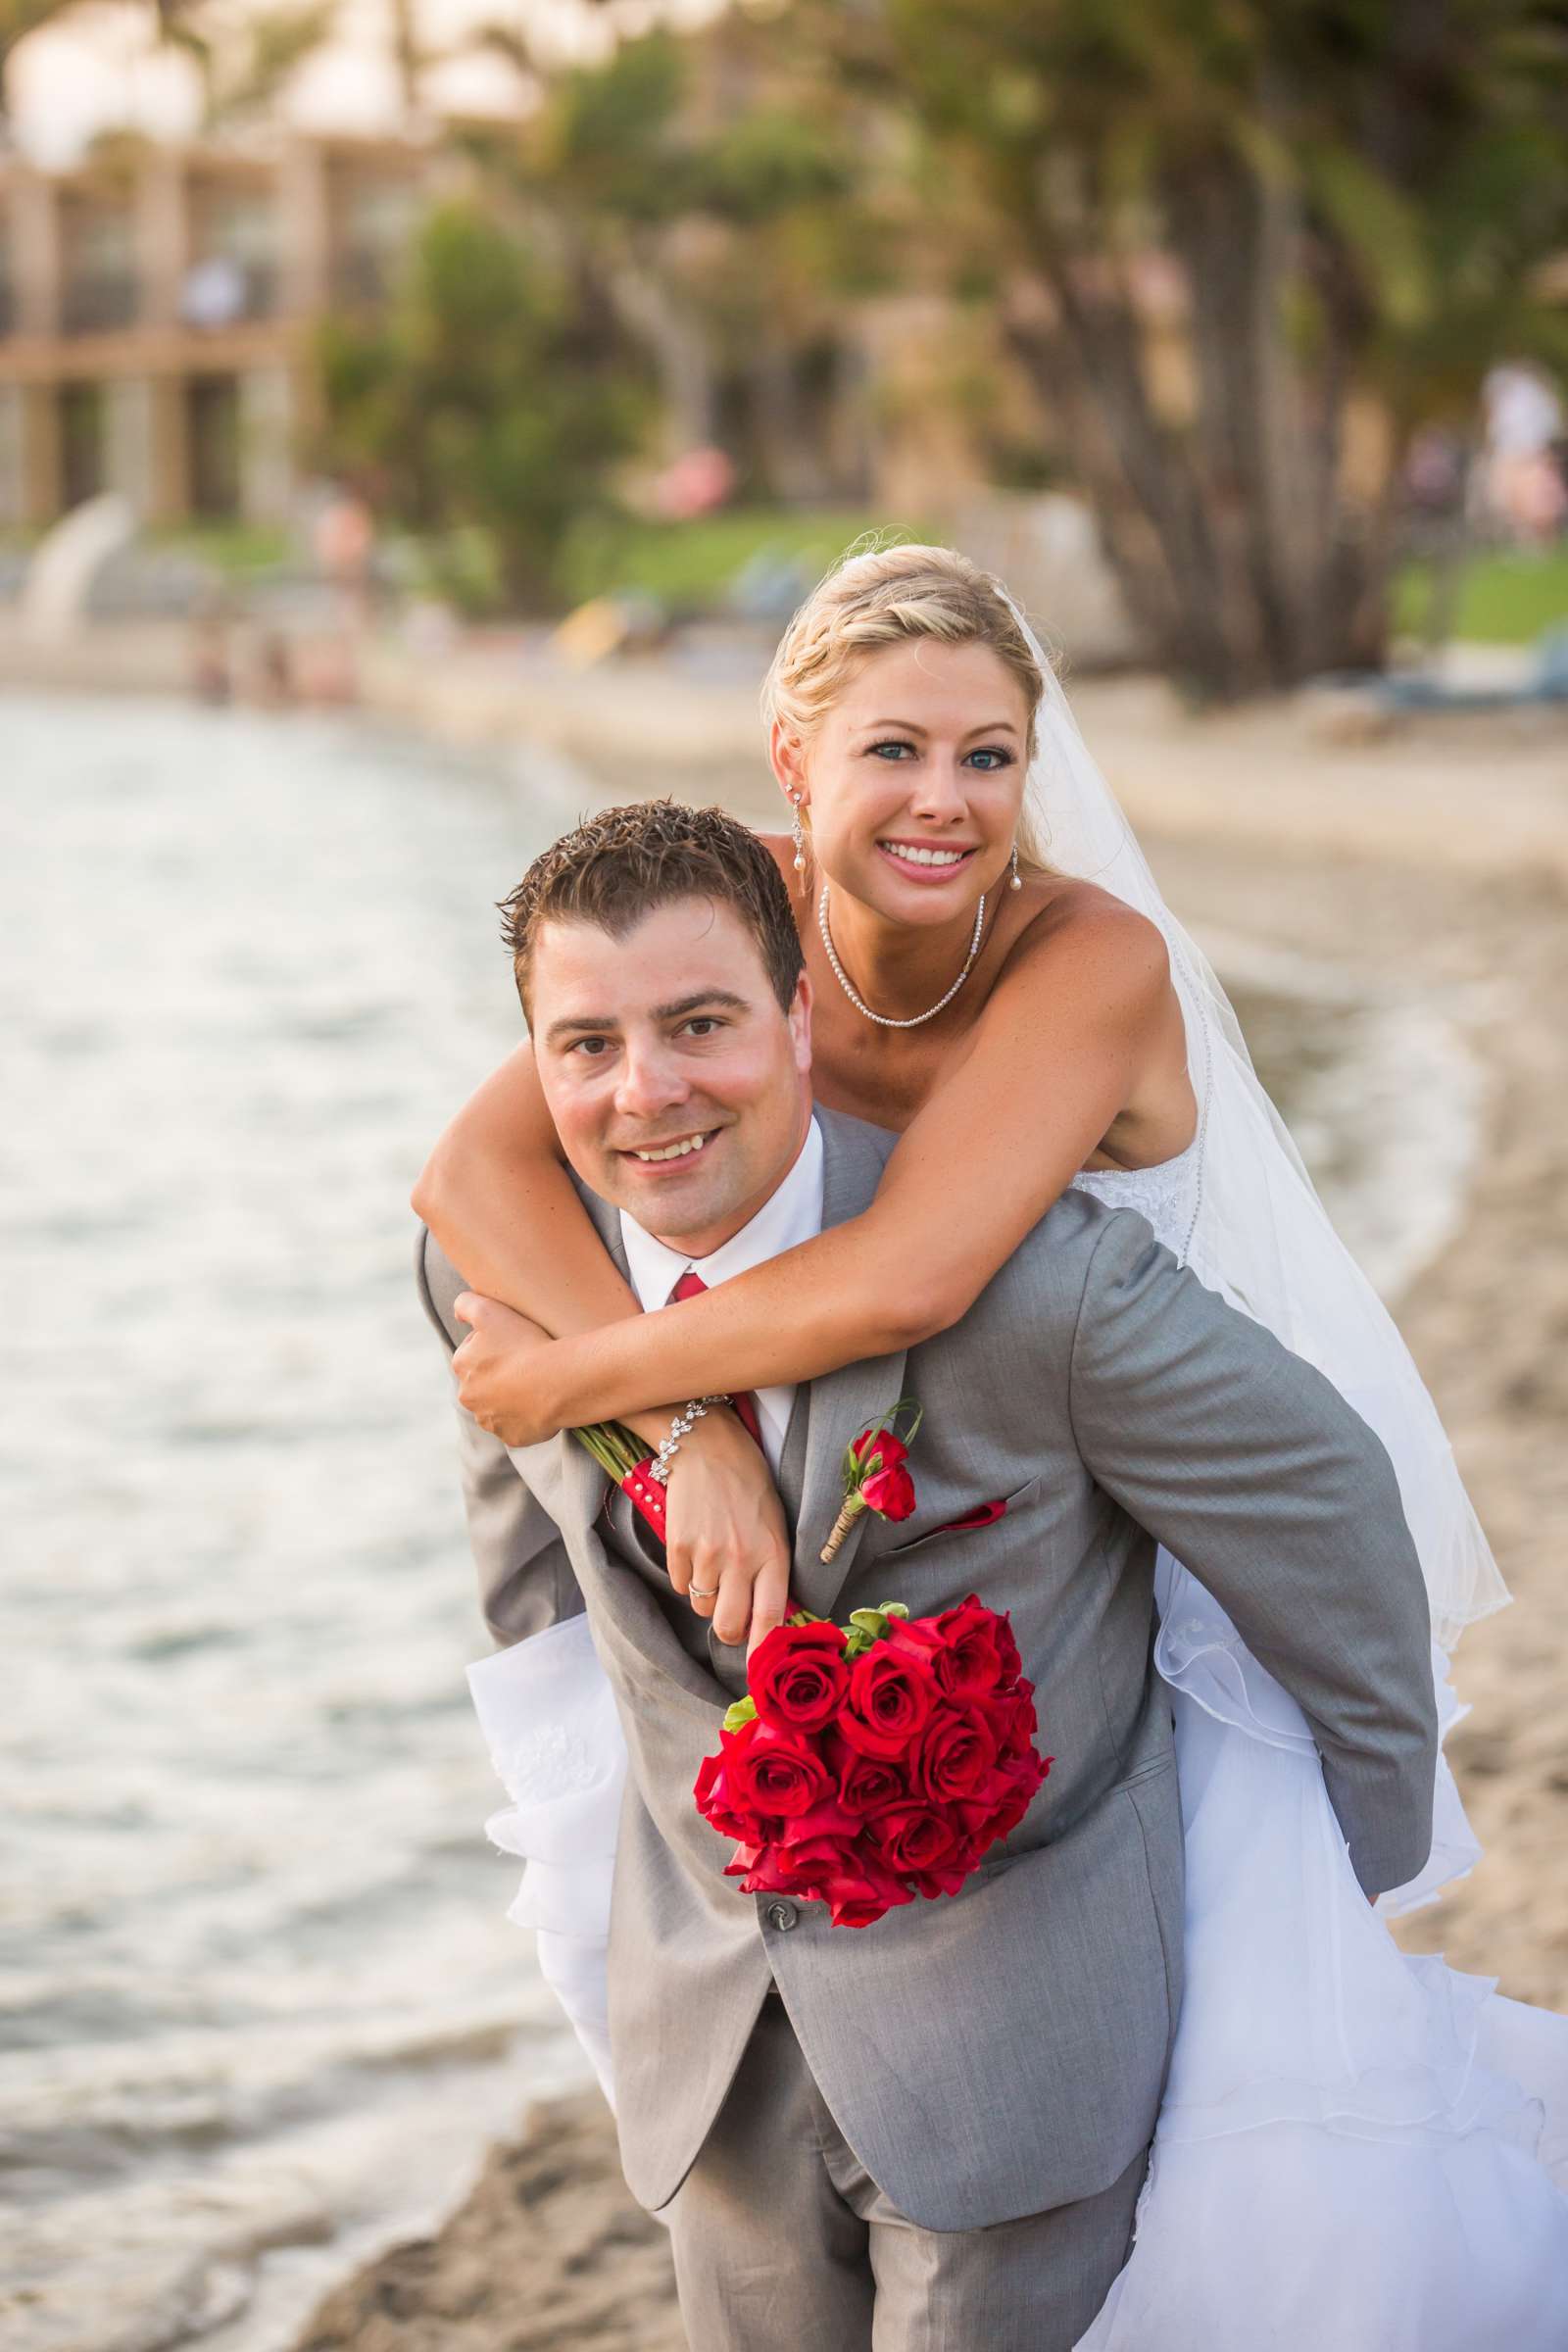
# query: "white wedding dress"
x,y
1356,2150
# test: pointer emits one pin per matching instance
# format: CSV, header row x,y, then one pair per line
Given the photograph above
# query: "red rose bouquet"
x,y
874,1762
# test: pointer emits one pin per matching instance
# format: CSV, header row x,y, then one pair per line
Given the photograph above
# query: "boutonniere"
x,y
875,1475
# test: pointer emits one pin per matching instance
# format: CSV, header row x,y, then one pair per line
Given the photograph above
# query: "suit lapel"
x,y
841,1403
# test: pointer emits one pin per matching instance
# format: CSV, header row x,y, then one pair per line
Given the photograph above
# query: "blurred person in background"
x,y
1524,487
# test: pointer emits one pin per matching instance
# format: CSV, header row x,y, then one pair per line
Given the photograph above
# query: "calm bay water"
x,y
259,2004
256,1985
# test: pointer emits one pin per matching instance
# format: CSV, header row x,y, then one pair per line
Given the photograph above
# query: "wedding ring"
x,y
700,1591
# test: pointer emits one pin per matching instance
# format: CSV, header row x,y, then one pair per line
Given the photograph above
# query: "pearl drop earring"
x,y
1016,882
798,835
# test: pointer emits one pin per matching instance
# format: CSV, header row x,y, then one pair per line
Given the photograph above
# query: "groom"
x,y
934,2129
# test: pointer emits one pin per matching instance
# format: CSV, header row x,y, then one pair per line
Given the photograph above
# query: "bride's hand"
x,y
491,1366
724,1529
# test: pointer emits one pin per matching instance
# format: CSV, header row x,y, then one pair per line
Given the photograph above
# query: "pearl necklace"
x,y
882,1019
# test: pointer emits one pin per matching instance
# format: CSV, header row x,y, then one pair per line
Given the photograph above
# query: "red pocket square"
x,y
984,1514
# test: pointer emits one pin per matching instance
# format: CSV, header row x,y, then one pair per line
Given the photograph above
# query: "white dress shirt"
x,y
791,1214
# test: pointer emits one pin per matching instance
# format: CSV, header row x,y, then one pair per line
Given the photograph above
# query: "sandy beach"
x,y
1433,864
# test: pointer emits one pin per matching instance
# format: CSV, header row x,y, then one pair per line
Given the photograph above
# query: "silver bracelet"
x,y
684,1423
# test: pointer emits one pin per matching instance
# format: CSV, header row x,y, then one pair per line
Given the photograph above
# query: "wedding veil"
x,y
1259,1233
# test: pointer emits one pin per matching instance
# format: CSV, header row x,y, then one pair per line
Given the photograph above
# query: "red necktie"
x,y
690,1285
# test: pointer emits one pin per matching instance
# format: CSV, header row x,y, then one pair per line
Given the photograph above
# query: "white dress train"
x,y
1355,2149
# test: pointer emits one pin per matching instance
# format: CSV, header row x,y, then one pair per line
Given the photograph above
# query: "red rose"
x,y
870,1784
915,1638
1023,1722
1008,1650
889,1493
776,1773
807,1869
913,1838
887,1487
796,1675
890,1699
956,1753
1009,1715
1004,1798
832,1818
889,1451
946,1877
862,1891
970,1658
716,1798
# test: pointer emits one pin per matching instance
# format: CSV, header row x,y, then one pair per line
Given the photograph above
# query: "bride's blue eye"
x,y
890,745
996,756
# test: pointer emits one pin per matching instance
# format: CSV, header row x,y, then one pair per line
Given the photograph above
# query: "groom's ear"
x,y
799,1019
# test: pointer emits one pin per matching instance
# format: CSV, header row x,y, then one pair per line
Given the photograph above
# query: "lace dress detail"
x,y
1166,1194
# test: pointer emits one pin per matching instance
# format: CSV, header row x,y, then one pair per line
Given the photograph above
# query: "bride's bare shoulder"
x,y
1057,915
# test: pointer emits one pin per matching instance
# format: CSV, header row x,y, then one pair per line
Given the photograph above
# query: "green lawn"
x,y
1506,599
692,563
235,549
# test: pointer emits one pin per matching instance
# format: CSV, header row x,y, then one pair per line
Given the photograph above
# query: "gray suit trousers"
x,y
781,2238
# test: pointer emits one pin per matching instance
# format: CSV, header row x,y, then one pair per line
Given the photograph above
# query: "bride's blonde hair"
x,y
886,595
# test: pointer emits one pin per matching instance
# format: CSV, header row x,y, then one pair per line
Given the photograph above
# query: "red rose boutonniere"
x,y
874,1475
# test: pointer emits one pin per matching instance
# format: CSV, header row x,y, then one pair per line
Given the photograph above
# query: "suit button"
x,y
782,1915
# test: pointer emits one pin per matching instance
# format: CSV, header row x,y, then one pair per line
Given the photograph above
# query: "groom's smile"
x,y
678,1084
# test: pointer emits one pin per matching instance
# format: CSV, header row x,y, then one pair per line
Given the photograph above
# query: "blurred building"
x,y
157,309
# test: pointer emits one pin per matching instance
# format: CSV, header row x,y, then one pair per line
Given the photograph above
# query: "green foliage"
x,y
609,135
1362,200
484,402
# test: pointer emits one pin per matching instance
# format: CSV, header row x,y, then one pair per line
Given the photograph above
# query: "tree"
x,y
707,190
246,56
484,400
1343,208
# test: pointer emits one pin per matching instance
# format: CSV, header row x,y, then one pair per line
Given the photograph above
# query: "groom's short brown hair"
x,y
618,866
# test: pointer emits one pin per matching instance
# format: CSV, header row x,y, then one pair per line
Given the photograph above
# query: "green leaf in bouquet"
x,y
872,1623
740,1714
894,1608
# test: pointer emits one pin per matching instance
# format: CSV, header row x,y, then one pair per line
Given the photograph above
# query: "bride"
x,y
1355,2147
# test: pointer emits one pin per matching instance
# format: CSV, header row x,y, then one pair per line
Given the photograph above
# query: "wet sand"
x,y
1436,861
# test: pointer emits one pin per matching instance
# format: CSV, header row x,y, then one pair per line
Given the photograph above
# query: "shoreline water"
x,y
1388,1026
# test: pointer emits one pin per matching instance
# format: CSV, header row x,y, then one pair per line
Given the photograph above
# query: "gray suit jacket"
x,y
1003,2050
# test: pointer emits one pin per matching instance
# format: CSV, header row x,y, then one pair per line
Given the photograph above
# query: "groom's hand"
x,y
491,1367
